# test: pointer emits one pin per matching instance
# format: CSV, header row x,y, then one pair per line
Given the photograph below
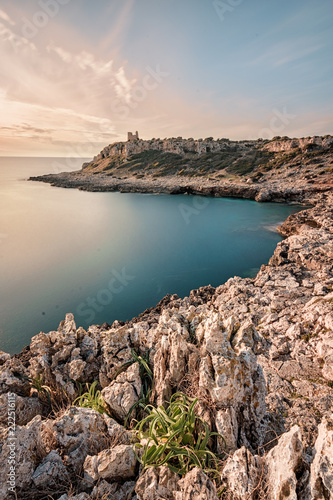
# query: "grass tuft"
x,y
176,437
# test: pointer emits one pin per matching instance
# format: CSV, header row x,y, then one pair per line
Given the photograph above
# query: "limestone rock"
x,y
227,425
4,356
196,486
124,391
111,464
159,482
241,474
9,380
117,433
25,409
229,371
172,350
322,465
24,446
51,472
79,432
282,462
115,348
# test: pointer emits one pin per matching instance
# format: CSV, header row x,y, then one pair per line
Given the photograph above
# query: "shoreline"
x,y
264,192
281,170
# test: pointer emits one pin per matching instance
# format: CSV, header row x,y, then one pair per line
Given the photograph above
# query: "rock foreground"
x,y
258,353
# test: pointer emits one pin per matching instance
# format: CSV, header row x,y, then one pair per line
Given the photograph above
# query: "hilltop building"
x,y
132,137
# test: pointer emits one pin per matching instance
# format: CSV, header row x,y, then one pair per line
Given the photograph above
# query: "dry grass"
x,y
53,493
190,386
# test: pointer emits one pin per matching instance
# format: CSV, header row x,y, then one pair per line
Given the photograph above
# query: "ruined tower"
x,y
132,137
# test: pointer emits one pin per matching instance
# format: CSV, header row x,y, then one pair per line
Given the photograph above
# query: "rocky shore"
x,y
287,170
257,353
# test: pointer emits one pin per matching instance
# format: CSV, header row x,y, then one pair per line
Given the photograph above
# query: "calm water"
x,y
107,256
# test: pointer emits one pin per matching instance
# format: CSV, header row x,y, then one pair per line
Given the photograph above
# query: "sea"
x,y
108,256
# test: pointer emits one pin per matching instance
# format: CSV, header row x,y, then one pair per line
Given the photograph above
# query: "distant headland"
x,y
281,169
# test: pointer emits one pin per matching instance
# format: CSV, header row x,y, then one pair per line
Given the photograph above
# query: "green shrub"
x,y
91,399
176,437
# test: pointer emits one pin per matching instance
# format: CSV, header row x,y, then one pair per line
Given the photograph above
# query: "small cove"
x,y
107,256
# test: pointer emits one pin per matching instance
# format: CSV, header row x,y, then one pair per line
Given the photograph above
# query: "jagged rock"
x,y
23,446
25,409
241,474
170,360
230,373
159,482
227,425
51,472
10,382
115,348
282,462
79,432
113,491
4,356
117,433
322,465
58,356
111,464
124,391
196,486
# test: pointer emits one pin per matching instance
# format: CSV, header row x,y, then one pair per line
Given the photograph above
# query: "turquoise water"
x,y
107,256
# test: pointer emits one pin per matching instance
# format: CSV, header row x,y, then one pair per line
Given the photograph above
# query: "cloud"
x,y
75,95
68,94
287,51
123,85
5,17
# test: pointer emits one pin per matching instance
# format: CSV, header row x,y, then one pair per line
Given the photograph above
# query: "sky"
x,y
77,75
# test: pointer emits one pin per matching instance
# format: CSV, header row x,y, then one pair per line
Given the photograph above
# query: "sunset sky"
x,y
76,75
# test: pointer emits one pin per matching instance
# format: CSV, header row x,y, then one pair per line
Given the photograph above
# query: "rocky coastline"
x,y
281,170
257,353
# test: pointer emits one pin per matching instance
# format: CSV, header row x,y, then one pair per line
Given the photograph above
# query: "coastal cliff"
x,y
282,169
257,353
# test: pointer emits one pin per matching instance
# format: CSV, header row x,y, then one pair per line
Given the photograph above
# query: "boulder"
x,y
13,378
117,433
111,464
230,372
51,472
196,486
23,447
25,409
322,465
123,392
241,474
282,462
159,482
79,432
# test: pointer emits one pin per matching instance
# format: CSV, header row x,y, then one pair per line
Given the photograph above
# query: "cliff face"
x,y
177,146
184,147
258,353
315,143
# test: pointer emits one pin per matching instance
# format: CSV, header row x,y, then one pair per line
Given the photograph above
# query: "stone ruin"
x,y
132,137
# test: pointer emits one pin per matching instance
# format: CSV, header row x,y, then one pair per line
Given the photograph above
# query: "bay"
x,y
107,256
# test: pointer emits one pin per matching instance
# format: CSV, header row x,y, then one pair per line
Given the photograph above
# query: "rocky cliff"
x,y
282,169
258,354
